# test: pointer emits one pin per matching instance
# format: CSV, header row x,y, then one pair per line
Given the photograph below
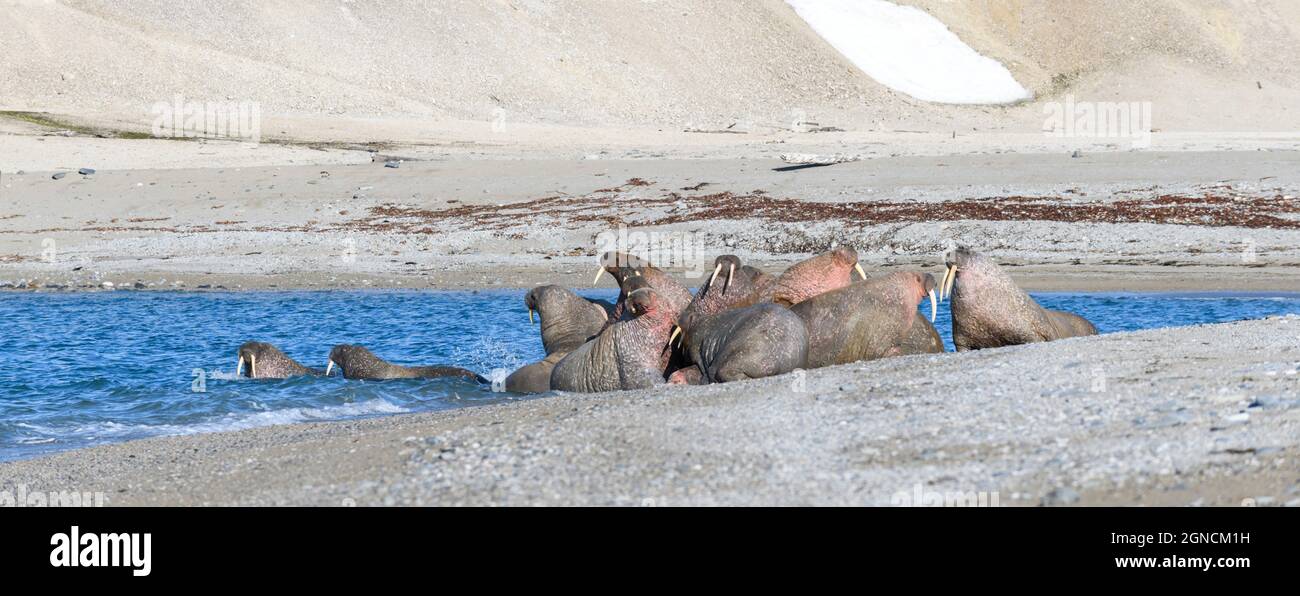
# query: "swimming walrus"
x,y
866,320
357,362
751,342
567,321
828,271
626,355
622,266
989,310
266,361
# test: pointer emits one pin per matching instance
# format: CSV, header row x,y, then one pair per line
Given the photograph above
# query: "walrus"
x,y
357,362
266,361
828,271
989,310
622,266
567,321
865,320
751,342
732,285
626,355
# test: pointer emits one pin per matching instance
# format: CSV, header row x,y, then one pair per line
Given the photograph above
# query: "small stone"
x,y
1061,496
107,284
59,175
392,164
1076,153
86,171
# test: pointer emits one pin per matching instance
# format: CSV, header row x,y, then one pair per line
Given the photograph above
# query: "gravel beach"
x,y
1188,416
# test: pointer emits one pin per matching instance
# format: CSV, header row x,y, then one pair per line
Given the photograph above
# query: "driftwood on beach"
x,y
818,159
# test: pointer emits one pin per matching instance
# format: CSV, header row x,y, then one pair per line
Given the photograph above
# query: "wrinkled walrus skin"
x,y
922,339
567,321
260,360
357,362
989,310
752,342
623,266
626,355
864,321
825,272
732,285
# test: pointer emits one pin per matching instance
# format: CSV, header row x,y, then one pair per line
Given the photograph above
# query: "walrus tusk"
x,y
731,272
530,316
934,305
715,274
252,365
949,278
677,330
599,272
858,267
329,368
239,368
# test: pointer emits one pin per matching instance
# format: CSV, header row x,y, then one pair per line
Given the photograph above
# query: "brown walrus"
x,y
989,310
626,355
357,362
828,271
751,342
865,320
732,285
266,361
622,266
567,321
832,271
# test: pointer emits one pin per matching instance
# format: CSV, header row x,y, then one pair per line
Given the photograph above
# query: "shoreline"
x,y
1033,278
1038,428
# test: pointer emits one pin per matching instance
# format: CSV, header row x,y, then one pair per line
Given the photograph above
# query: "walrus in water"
x,y
866,320
751,342
622,266
266,361
828,271
356,362
567,321
989,310
626,355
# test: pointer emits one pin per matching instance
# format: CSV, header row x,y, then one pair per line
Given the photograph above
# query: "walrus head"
x,y
964,263
567,319
354,361
645,301
622,266
828,271
260,360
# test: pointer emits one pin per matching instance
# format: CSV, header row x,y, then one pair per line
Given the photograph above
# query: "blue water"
x,y
84,369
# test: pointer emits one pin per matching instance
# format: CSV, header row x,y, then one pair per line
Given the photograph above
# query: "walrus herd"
x,y
741,323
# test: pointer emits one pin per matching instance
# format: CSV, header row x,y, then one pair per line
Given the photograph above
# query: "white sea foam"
x,y
100,431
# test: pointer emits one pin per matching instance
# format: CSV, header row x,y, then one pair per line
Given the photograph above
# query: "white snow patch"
x,y
908,50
